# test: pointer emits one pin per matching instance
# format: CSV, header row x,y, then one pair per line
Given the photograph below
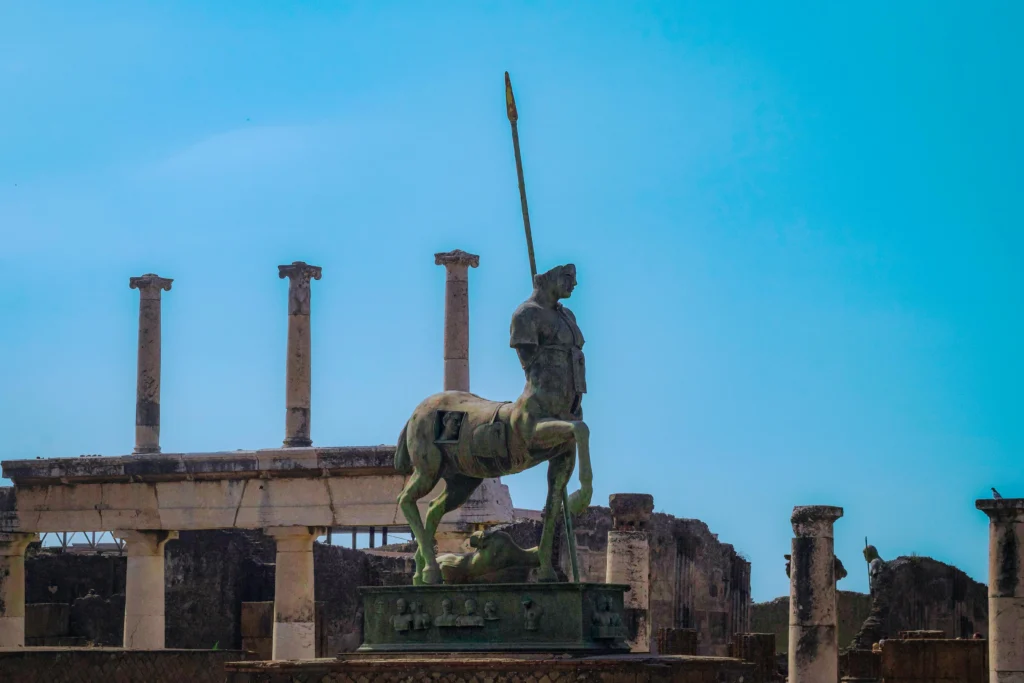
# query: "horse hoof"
x,y
431,576
547,576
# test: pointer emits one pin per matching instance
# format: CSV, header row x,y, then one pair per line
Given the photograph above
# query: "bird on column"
x,y
995,494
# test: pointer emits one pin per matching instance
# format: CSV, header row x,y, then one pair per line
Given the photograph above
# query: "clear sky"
x,y
797,228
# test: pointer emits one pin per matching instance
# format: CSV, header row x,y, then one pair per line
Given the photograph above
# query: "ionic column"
x,y
298,375
1005,588
813,626
12,587
144,588
628,561
147,386
456,317
294,607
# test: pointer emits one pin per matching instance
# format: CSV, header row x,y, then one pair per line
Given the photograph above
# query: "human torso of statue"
x,y
550,347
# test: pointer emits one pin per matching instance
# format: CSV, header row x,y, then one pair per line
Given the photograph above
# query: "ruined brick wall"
x,y
773,617
925,594
696,580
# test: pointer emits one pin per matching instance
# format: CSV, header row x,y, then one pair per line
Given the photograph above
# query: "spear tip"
x,y
510,100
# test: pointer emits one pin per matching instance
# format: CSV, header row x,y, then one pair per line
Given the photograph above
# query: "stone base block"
x,y
928,661
294,640
507,668
513,617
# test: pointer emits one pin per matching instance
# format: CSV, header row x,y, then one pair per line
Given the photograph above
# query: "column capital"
x,y
814,520
299,274
13,544
1002,509
150,285
295,531
145,543
631,511
456,258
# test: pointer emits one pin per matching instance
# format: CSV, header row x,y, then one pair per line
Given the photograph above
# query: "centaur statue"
x,y
463,439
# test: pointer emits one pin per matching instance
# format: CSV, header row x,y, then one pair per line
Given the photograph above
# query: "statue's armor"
x,y
556,373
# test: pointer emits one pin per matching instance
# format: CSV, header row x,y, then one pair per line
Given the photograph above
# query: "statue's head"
x,y
558,282
400,605
470,607
446,606
871,553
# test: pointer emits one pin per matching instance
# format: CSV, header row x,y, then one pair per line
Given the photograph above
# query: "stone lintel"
x,y
631,511
456,258
270,462
814,520
1001,508
145,543
150,284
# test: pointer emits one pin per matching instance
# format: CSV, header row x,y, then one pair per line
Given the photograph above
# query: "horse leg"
x,y
457,490
549,433
420,483
559,471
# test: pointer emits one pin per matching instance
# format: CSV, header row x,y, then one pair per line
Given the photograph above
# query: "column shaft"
x,y
813,626
298,372
144,623
628,561
147,386
1005,588
294,606
12,587
456,317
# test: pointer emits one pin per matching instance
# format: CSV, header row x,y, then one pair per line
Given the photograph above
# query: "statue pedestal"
x,y
511,617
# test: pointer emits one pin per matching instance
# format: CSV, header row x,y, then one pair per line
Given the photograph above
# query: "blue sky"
x,y
797,230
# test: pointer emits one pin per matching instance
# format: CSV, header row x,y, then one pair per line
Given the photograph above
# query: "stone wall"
x,y
935,661
696,580
100,665
469,668
773,617
925,595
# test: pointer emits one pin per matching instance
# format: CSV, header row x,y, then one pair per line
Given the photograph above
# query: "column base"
x,y
146,450
144,632
297,442
294,640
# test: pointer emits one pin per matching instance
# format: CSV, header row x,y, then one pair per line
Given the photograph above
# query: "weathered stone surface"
x,y
147,401
631,511
298,375
496,669
47,620
773,617
677,641
1005,587
759,650
99,665
99,620
935,661
12,588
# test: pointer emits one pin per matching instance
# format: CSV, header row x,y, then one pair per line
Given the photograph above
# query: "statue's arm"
x,y
524,335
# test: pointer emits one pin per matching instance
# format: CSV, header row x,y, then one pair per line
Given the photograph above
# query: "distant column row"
x,y
298,368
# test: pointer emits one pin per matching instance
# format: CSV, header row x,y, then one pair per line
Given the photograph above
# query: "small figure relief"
x,y
607,625
532,613
445,619
470,618
402,621
490,611
378,606
450,425
420,619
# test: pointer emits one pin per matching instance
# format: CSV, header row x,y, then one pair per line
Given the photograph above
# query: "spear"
x,y
513,119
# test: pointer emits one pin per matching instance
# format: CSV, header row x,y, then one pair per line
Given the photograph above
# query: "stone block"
x,y
47,620
257,620
677,641
934,661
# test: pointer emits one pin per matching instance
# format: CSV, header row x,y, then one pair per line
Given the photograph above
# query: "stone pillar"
x,y
144,588
12,587
297,382
456,317
147,385
813,625
629,561
294,608
1005,588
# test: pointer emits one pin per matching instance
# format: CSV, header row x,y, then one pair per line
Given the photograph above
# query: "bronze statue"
x,y
464,439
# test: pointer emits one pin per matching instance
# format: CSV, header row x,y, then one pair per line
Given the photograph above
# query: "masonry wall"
x,y
924,594
98,665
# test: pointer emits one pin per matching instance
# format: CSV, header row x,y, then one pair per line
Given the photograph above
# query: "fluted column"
x,y
147,386
12,587
813,624
628,562
298,371
144,588
456,317
1005,588
294,606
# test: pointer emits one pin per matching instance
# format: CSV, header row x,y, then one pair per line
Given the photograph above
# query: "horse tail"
x,y
403,463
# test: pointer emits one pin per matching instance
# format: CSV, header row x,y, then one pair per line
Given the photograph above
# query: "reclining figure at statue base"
x,y
463,439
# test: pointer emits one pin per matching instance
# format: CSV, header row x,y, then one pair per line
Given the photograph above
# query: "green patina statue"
x,y
463,439
496,559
